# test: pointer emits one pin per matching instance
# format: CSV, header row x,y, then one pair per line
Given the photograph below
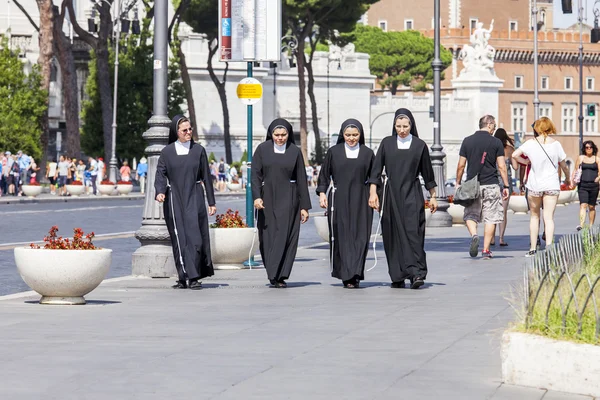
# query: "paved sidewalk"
x,y
239,339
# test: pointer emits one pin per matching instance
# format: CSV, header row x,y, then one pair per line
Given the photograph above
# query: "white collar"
x,y
186,144
404,140
279,149
352,148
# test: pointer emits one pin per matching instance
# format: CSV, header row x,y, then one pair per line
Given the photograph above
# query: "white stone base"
x,y
539,362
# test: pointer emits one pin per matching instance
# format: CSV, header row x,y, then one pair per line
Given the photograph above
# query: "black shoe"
x,y
282,284
398,285
474,247
416,283
195,285
180,285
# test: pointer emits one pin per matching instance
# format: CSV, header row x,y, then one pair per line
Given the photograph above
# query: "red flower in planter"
x,y
106,182
76,183
80,241
230,219
124,183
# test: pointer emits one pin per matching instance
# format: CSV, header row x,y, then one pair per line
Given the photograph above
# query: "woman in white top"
x,y
546,156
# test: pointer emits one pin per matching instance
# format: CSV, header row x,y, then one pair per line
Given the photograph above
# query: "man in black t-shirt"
x,y
483,154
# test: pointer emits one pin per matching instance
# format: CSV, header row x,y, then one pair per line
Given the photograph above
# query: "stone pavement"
x,y
240,339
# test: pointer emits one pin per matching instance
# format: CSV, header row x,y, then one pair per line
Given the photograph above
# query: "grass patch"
x,y
564,305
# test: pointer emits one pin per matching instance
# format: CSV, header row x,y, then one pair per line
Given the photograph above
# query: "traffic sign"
x,y
249,91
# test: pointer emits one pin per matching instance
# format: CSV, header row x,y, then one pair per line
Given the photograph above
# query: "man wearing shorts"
x,y
483,155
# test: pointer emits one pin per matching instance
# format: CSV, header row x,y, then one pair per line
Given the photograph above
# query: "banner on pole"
x,y
249,30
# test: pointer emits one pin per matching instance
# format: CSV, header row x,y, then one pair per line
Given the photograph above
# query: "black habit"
x,y
280,181
179,177
403,218
351,219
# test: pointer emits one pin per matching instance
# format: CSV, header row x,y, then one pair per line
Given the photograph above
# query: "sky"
x,y
565,20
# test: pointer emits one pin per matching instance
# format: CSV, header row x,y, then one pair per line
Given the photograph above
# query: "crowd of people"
x,y
353,182
20,169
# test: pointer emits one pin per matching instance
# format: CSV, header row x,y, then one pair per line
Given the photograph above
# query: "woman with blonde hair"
x,y
546,156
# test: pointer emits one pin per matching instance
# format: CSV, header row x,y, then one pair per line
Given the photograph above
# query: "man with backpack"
x,y
222,168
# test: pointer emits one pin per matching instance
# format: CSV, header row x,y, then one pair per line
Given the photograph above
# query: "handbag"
x,y
469,191
577,175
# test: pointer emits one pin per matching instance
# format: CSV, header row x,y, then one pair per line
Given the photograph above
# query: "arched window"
x,y
543,17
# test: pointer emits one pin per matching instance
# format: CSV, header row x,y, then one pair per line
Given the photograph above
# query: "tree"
x,y
134,99
202,16
53,41
101,49
316,21
399,58
22,104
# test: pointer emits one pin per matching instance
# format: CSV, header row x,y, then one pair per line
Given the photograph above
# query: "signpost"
x,y
249,31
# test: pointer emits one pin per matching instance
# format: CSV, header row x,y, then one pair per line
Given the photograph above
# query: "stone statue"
x,y
479,55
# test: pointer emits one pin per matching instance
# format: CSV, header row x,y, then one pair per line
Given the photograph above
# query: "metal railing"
x,y
559,276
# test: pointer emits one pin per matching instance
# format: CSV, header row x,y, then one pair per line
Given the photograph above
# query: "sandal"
x,y
503,244
416,282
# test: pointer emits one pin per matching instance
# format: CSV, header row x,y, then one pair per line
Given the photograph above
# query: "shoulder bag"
x,y
468,192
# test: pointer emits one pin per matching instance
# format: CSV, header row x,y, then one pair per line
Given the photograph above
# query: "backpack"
x,y
222,168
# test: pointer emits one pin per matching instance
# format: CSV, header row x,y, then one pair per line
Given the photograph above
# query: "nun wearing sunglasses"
x,y
280,194
343,189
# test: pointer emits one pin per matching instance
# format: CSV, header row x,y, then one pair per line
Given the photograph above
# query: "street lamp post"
x,y
112,173
155,258
373,123
441,218
536,99
580,20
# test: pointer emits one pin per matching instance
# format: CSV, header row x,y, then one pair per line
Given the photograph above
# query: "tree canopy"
x,y
399,58
134,102
22,105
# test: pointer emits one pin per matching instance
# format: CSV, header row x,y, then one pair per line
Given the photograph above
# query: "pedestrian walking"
x,y
93,169
182,167
125,172
483,156
546,156
343,190
51,169
405,157
142,171
509,147
62,173
280,193
587,175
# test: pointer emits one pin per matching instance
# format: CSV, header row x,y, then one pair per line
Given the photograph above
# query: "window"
x,y
518,117
545,84
590,123
513,26
589,83
473,24
543,17
383,25
568,83
546,110
568,117
519,82
408,24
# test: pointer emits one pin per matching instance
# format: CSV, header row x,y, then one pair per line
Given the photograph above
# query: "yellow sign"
x,y
249,91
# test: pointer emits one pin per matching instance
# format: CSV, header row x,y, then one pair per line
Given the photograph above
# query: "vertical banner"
x,y
249,40
225,28
237,29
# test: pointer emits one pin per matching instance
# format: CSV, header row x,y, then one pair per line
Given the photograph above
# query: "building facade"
x,y
512,37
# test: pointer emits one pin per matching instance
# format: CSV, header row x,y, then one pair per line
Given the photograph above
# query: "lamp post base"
x,y
441,218
154,259
252,263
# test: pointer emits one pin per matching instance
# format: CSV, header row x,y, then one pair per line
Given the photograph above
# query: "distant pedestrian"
x,y
588,165
93,169
125,172
142,171
546,156
51,169
62,175
222,168
483,156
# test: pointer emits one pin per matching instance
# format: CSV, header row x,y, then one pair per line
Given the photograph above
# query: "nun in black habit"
x,y
280,194
404,157
182,168
347,168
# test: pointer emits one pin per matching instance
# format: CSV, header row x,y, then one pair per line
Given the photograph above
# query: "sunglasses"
x,y
187,130
589,147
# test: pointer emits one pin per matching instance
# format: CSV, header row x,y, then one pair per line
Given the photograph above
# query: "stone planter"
x,y
230,247
322,226
564,197
62,276
234,187
518,204
124,190
75,190
540,362
31,190
574,196
457,212
427,215
106,190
